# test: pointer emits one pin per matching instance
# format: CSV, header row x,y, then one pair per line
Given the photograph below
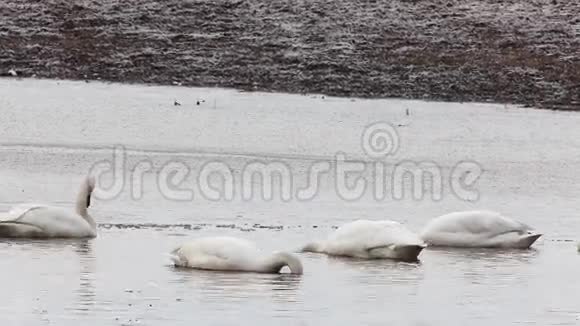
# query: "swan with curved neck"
x,y
42,221
370,240
483,229
232,254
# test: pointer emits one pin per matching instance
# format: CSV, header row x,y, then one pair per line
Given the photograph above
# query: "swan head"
x,y
87,189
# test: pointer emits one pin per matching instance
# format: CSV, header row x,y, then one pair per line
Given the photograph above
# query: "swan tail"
x,y
527,241
312,247
177,259
409,252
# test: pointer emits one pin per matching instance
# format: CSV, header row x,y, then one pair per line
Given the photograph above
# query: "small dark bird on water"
x,y
176,103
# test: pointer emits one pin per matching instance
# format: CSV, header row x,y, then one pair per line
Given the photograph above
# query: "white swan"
x,y
232,254
484,229
40,221
371,240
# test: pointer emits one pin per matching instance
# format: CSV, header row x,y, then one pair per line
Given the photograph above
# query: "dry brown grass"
x,y
517,51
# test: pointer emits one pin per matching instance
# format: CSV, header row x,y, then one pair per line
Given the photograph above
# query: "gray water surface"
x,y
53,132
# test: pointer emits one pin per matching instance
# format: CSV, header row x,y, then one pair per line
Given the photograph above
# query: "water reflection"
x,y
471,282
485,267
220,285
86,292
372,264
79,245
48,269
486,255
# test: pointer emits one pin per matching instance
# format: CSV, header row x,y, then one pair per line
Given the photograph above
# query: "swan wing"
x,y
475,222
365,235
217,253
18,211
53,221
398,234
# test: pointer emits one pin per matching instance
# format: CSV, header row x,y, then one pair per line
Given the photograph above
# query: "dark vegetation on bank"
x,y
511,51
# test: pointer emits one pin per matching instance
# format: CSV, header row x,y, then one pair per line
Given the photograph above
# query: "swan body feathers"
x,y
369,239
232,254
486,229
44,221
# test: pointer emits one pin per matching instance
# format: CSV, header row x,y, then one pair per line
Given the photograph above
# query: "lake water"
x,y
55,132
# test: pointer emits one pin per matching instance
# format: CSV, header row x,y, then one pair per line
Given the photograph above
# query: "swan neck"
x,y
83,202
277,261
